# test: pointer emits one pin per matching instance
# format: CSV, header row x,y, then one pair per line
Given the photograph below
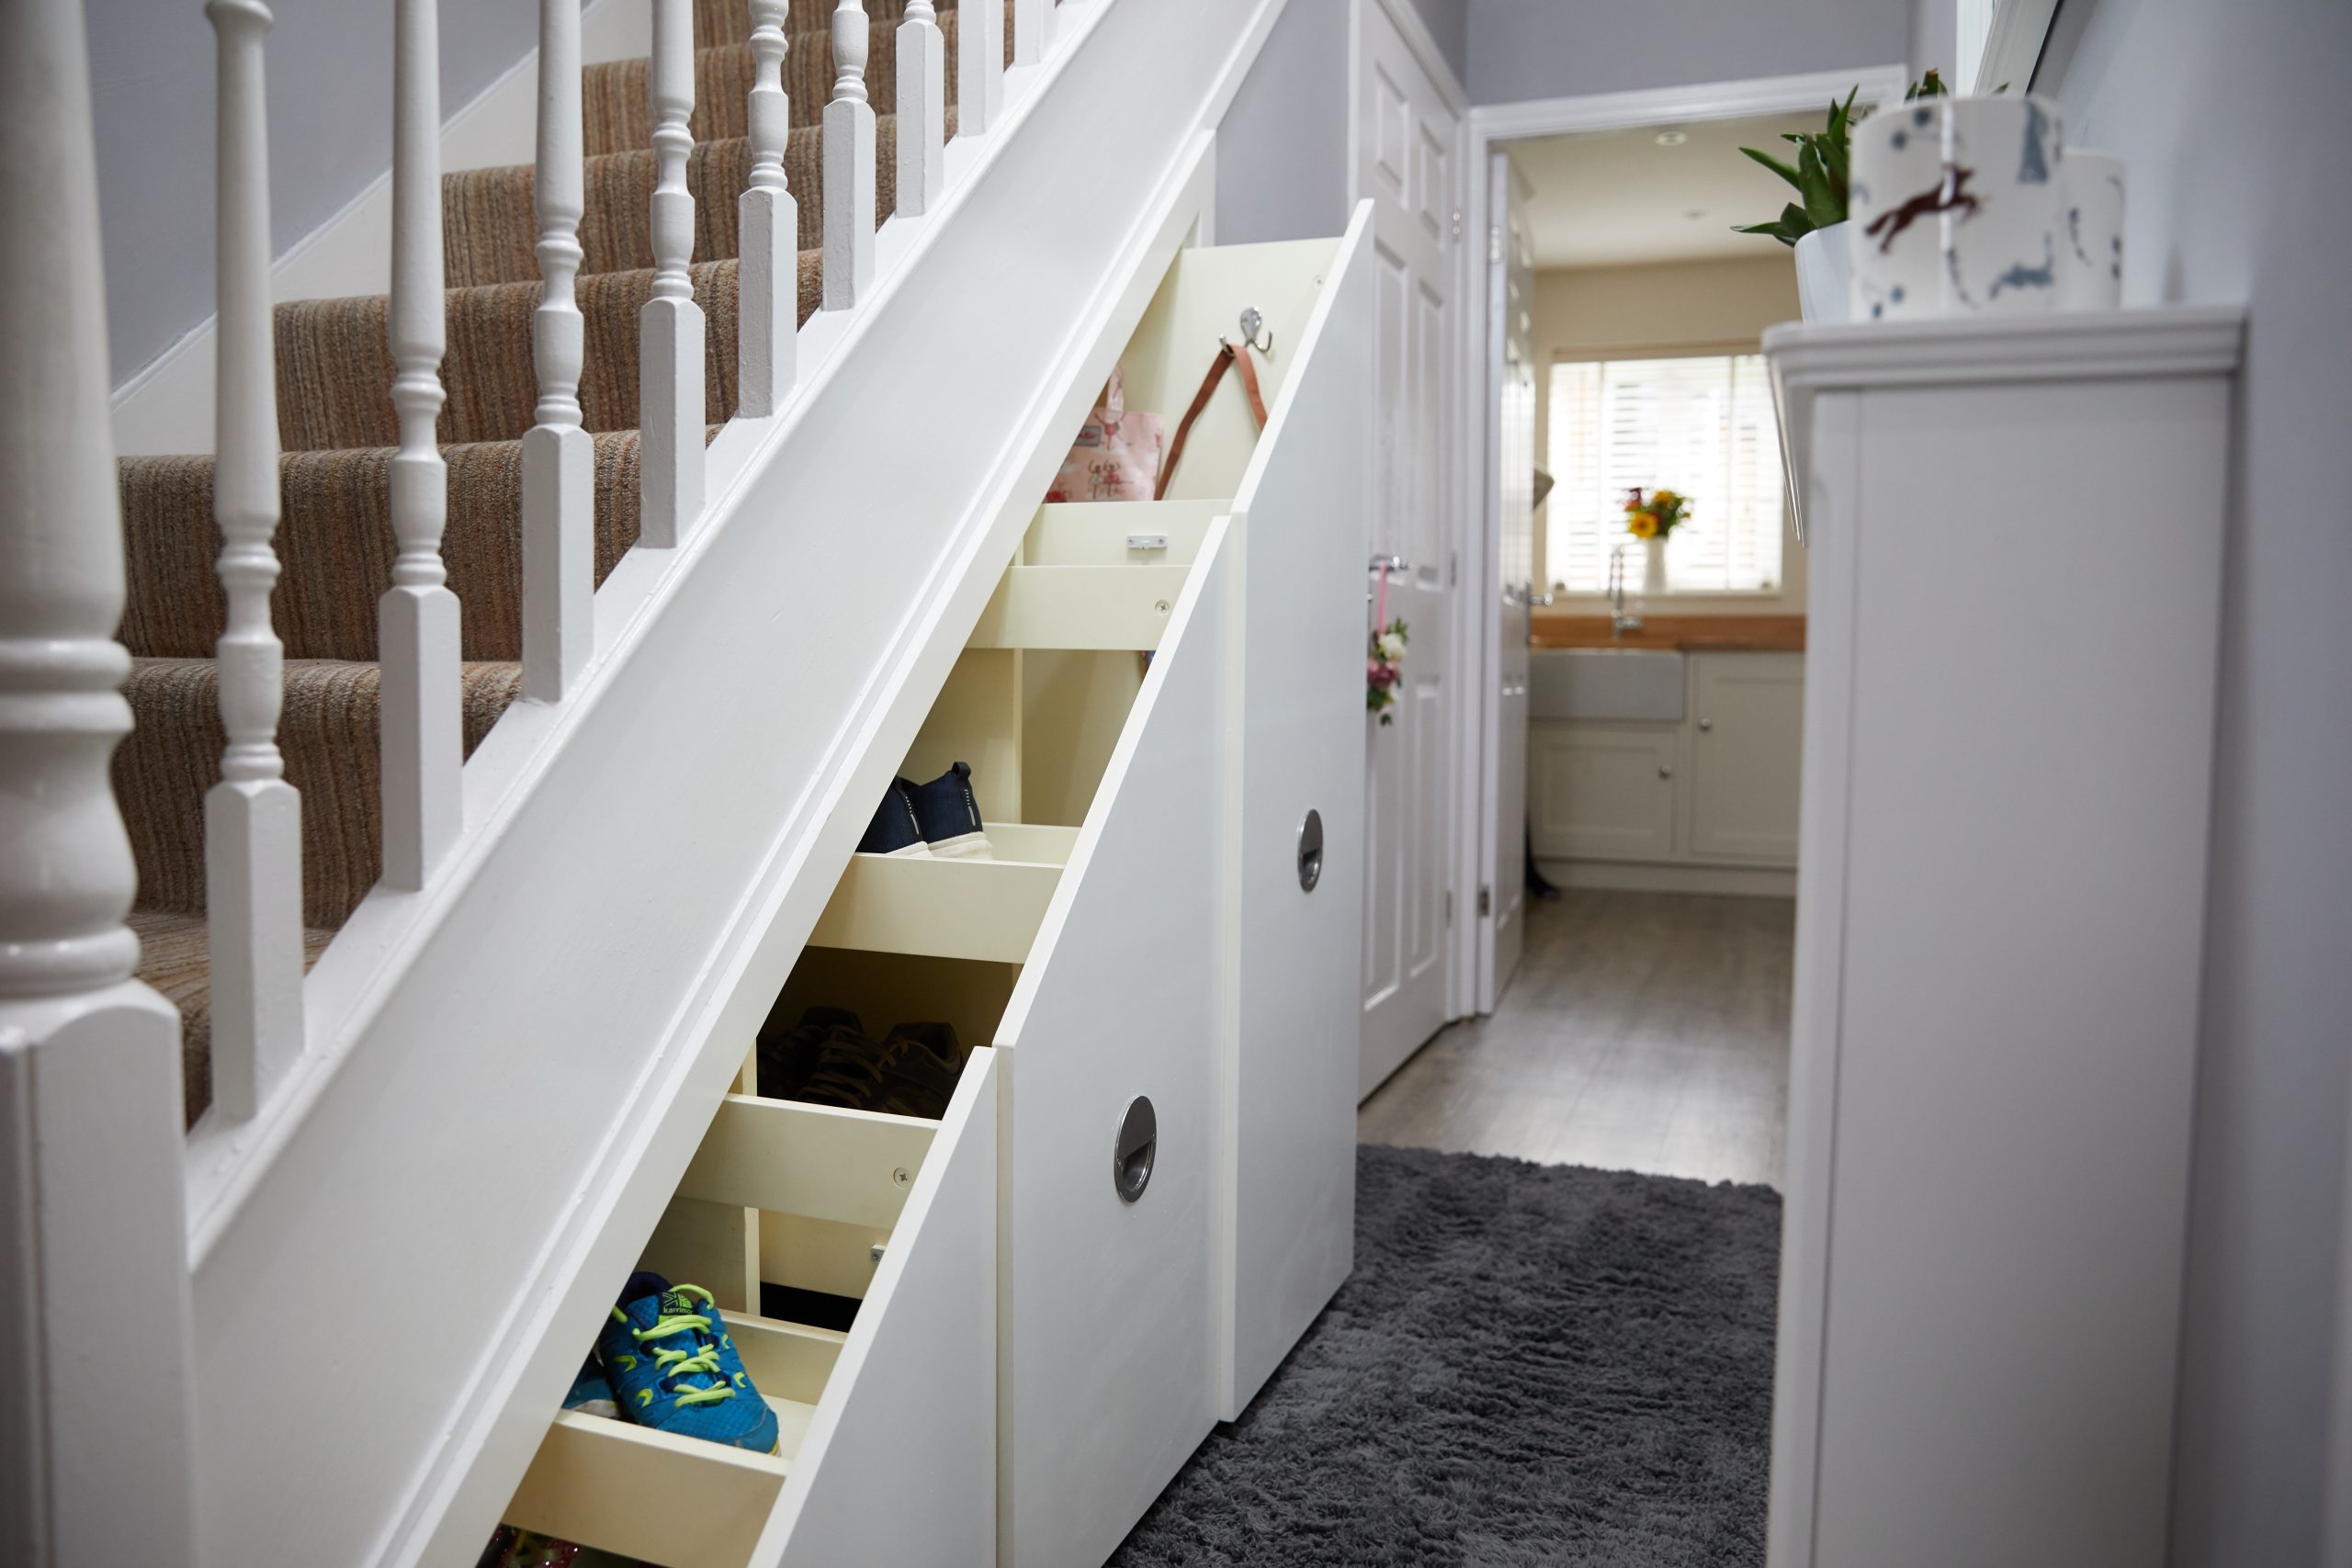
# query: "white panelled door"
x,y
1408,136
1512,346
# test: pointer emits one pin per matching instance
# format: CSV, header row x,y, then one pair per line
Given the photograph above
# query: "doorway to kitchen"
x,y
1644,690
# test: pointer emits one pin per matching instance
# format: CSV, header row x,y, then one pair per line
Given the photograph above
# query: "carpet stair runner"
x,y
338,431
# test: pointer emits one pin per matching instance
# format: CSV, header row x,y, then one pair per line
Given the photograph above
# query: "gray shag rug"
x,y
1532,1364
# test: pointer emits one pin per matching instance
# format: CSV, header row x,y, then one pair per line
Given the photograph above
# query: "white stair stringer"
x,y
396,1270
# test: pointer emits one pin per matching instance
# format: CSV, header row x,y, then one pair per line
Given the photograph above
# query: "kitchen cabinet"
x,y
1719,787
1747,746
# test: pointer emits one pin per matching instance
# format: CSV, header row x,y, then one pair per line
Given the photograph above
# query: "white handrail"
x,y
252,818
849,164
979,68
767,309
670,327
96,1414
922,109
417,616
558,457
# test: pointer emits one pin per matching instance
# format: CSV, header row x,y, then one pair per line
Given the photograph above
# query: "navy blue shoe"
x,y
896,829
788,1058
949,816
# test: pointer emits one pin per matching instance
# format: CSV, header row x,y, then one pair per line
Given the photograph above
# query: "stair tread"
x,y
175,958
619,114
335,545
328,735
490,229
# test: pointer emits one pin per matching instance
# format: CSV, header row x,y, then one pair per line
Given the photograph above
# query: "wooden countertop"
x,y
1689,634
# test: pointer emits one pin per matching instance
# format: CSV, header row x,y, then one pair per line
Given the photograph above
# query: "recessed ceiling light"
x,y
1672,138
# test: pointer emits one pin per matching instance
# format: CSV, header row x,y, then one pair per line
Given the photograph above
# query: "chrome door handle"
x,y
1390,564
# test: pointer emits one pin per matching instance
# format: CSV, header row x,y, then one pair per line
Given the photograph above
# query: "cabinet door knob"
x,y
1705,724
1663,772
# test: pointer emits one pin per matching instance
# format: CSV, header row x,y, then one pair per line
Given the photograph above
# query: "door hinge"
x,y
1452,568
1449,908
1494,244
1458,222
1485,900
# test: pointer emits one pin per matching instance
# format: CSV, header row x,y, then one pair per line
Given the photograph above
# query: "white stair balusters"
x,y
252,818
849,165
669,326
94,1402
417,618
559,457
767,310
979,68
1031,22
922,109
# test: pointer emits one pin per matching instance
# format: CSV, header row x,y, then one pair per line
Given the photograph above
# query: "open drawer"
x,y
923,1340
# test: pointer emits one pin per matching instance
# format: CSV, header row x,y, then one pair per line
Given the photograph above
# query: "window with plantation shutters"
x,y
1703,426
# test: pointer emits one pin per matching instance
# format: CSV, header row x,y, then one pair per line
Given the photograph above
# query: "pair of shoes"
x,y
829,1059
665,1359
941,818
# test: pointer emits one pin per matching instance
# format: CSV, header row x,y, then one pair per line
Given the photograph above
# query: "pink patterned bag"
x,y
1116,455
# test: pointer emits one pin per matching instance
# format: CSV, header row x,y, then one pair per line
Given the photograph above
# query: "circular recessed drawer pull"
x,y
1138,1149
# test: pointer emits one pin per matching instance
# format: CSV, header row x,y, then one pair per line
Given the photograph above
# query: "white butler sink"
x,y
1606,683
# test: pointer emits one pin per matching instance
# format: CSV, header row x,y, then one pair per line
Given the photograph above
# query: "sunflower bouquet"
x,y
1657,516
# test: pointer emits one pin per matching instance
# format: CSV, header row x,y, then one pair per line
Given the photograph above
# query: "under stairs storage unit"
x,y
1143,1190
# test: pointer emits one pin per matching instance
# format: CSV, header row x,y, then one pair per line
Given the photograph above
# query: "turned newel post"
x,y
558,457
849,164
94,1375
767,310
670,325
417,618
922,109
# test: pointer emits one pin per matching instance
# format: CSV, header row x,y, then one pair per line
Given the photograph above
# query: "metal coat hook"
x,y
1253,325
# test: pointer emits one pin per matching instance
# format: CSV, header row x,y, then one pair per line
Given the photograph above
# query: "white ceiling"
x,y
1610,197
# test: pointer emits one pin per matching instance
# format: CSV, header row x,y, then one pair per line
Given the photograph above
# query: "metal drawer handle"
x,y
1663,772
1705,724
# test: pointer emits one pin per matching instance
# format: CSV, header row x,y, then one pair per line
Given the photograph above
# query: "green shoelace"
x,y
673,1362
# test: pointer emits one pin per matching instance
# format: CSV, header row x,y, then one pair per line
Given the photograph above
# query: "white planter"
x,y
1893,203
2004,217
2090,262
1825,274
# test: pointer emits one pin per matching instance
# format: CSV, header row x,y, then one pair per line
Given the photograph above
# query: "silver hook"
x,y
1253,324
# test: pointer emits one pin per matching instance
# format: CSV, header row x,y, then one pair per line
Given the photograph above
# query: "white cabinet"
x,y
1718,788
1604,791
2000,931
1747,748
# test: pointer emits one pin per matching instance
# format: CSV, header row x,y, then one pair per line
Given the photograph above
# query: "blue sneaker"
x,y
895,831
675,1369
591,1393
949,815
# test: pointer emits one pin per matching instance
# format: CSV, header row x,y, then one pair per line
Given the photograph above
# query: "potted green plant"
x,y
1813,225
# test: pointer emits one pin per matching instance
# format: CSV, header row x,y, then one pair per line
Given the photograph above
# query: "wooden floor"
x,y
1642,1032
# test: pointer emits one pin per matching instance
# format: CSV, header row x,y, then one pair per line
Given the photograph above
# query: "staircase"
x,y
550,643
340,433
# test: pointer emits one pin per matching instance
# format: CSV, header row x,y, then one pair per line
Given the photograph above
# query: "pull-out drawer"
x,y
910,1390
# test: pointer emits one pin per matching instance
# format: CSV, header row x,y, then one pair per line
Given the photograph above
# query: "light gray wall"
x,y
2239,191
1281,149
330,135
1550,49
1449,24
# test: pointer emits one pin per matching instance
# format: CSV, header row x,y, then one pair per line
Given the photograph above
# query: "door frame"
x,y
1490,128
1463,546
